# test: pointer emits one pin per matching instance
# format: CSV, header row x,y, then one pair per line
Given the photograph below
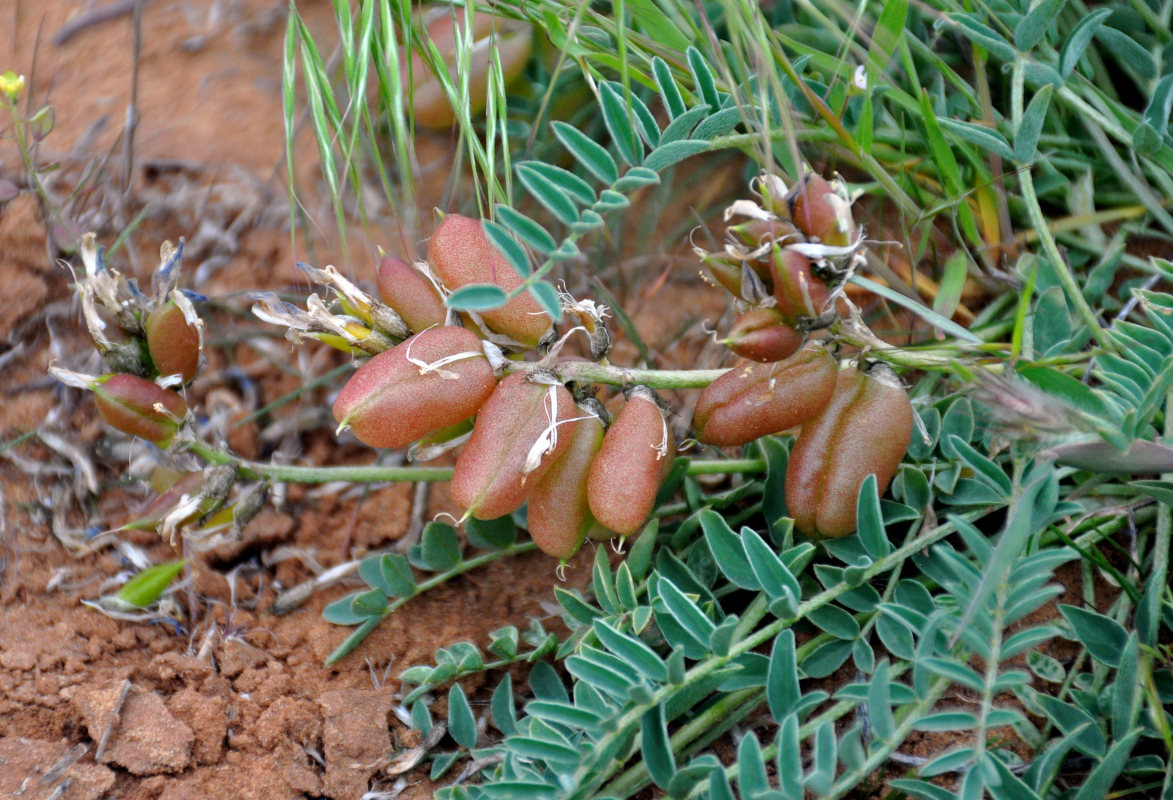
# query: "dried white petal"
x,y
817,252
268,307
94,322
547,441
437,366
426,452
167,275
843,218
770,185
188,504
78,380
341,285
89,253
495,354
747,208
860,78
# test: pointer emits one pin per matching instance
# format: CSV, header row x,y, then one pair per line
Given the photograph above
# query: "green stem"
x,y
590,372
1062,270
880,751
632,716
467,565
716,720
286,473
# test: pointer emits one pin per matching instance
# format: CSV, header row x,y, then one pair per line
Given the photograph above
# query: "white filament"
x,y
438,366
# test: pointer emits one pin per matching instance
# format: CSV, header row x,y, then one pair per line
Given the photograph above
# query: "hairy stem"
x,y
256,470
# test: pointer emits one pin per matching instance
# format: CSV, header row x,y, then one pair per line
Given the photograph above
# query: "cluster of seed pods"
x,y
530,440
151,344
783,267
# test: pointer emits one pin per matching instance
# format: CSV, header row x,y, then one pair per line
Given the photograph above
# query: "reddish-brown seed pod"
x,y
820,213
139,407
755,233
629,468
864,430
798,292
410,294
166,500
405,393
559,514
600,533
725,274
462,254
755,400
173,342
763,334
516,437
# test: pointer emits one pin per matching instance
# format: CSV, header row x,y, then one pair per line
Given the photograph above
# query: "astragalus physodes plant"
x,y
747,637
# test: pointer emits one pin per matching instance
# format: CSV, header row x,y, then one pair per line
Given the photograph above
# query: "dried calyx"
x,y
150,336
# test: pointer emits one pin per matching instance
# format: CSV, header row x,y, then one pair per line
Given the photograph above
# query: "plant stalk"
x,y
287,473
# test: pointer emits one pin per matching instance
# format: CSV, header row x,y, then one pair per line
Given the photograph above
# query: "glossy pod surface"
x,y
462,254
410,294
820,213
174,343
798,292
630,466
392,401
755,400
139,407
864,430
763,334
515,439
559,514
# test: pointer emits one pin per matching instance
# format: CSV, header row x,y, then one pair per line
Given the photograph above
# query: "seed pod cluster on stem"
x,y
786,264
151,343
864,429
526,437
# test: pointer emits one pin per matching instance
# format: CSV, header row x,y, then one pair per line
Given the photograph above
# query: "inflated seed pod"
x,y
139,407
864,430
173,342
820,213
763,334
755,233
630,467
559,514
754,400
800,294
426,382
517,435
724,273
512,41
167,498
462,254
410,294
441,441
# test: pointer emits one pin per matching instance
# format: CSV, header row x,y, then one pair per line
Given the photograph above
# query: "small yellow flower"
x,y
11,84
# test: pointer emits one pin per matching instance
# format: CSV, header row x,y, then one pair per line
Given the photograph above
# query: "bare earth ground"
x,y
238,704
